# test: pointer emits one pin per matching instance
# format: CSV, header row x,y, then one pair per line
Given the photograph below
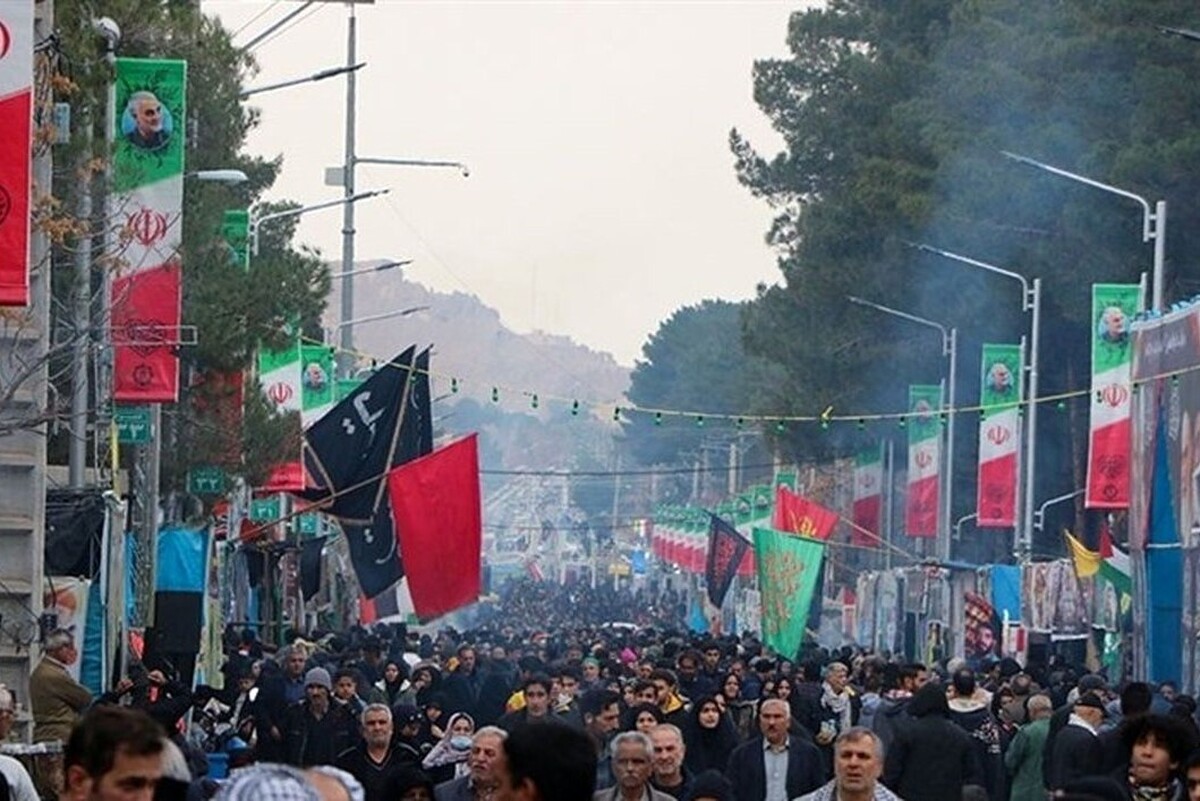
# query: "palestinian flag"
x,y
1109,563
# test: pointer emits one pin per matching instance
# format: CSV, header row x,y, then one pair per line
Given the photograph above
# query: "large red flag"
x,y
437,513
801,516
16,132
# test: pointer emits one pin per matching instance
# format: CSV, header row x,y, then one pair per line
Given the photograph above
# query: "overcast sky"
x,y
601,196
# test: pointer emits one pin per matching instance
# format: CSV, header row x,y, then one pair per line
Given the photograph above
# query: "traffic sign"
x,y
133,424
206,481
264,510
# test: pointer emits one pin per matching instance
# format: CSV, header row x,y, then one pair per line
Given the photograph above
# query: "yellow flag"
x,y
1087,563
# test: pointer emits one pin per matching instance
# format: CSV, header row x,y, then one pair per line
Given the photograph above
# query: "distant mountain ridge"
x,y
473,345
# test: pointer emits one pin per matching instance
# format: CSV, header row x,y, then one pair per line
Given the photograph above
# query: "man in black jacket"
x,y
893,708
778,766
375,759
931,759
462,687
317,729
1076,751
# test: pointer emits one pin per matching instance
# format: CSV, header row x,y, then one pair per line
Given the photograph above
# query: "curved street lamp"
x,y
1031,301
1154,222
950,351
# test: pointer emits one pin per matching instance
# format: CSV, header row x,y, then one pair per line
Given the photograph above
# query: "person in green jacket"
x,y
1024,756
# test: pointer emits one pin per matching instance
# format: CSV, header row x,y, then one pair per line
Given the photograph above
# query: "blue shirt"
x,y
776,764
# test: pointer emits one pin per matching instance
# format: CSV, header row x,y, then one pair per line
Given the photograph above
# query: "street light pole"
x,y
256,221
352,159
379,268
347,293
1039,520
1031,301
316,76
950,351
1154,222
384,316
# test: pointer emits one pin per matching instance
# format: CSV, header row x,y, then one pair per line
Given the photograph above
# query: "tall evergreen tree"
x,y
232,309
894,116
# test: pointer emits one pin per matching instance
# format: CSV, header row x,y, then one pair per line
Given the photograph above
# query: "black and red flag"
x,y
726,549
382,424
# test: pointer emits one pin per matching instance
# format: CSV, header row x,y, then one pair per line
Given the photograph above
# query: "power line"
x,y
663,471
284,28
255,18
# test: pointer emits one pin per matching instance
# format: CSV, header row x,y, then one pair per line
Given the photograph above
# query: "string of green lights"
x,y
623,411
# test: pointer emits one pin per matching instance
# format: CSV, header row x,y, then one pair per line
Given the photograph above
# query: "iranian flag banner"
x,y
1113,308
868,498
316,383
924,460
279,377
235,231
999,436
16,132
148,157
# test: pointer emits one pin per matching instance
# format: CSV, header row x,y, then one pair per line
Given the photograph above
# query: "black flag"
x,y
310,567
726,550
348,451
373,551
383,423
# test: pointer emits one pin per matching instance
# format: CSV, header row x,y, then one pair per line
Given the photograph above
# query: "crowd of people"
x,y
583,711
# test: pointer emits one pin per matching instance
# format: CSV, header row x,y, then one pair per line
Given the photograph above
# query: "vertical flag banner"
x,y
151,121
726,549
16,132
316,383
438,520
235,232
279,377
788,569
868,497
999,436
1113,308
924,460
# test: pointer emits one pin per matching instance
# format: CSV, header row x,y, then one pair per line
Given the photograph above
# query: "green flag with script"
x,y
788,569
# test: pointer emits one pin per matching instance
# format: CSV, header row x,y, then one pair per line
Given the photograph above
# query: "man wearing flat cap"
x,y
1076,751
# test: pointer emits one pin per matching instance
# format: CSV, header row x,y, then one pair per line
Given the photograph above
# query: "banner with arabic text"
x,y
788,569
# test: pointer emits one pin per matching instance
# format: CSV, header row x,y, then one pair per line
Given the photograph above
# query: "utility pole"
x,y
616,508
347,300
351,160
889,500
733,468
81,312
